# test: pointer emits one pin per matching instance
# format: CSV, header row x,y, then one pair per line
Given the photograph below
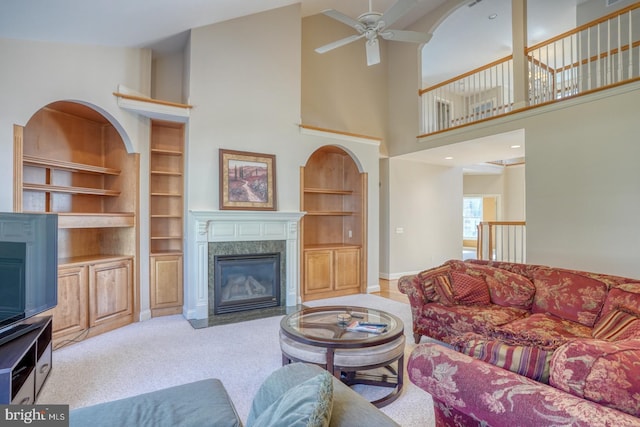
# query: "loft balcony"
x,y
599,55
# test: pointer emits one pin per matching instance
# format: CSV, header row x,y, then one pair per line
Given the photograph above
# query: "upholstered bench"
x,y
292,394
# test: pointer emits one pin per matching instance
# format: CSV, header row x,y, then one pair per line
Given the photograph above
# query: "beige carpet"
x,y
167,351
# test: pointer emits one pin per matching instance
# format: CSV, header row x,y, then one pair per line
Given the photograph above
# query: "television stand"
x,y
17,331
25,362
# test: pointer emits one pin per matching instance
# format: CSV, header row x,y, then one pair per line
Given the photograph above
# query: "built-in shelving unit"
x,y
75,164
166,186
334,226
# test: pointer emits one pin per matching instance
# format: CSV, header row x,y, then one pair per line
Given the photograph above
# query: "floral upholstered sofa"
x,y
562,344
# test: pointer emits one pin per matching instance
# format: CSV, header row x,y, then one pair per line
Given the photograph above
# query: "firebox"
x,y
246,282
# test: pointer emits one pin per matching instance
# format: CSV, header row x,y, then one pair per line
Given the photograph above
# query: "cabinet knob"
x,y
44,368
25,401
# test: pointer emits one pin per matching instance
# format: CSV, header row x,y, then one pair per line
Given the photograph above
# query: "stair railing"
x,y
502,241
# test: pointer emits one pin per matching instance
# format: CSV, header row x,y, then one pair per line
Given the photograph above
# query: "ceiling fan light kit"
x,y
372,24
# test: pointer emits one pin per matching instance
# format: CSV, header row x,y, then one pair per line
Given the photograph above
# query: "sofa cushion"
x,y
541,330
619,324
441,322
529,361
469,290
568,295
516,291
308,404
601,371
198,404
625,295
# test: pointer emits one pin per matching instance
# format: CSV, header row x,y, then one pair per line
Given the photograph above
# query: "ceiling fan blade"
x,y
339,16
397,11
338,43
406,36
373,51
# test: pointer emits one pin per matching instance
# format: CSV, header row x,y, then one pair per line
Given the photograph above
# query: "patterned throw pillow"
x,y
444,290
619,324
469,290
529,361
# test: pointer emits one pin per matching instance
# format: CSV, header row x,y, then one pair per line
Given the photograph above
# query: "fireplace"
x,y
246,275
246,282
232,233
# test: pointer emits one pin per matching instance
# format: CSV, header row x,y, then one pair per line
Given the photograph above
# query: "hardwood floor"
x,y
389,289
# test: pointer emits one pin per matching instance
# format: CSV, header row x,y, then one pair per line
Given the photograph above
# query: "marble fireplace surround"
x,y
237,226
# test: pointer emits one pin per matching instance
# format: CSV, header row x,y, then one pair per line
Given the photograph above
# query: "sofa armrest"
x,y
490,395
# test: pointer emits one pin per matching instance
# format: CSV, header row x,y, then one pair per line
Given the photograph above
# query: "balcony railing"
x,y
502,241
595,56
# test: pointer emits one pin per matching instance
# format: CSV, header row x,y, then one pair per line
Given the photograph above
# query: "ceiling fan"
x,y
372,24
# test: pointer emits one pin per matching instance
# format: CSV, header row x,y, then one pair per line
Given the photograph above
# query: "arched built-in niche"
x,y
334,227
72,161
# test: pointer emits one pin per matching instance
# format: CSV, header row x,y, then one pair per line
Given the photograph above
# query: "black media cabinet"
x,y
25,363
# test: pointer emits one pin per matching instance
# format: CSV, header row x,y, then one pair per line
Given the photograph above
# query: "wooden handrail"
x,y
491,227
467,74
584,27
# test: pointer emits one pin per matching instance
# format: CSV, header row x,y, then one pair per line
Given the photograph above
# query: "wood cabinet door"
x,y
318,271
110,291
166,290
70,316
347,268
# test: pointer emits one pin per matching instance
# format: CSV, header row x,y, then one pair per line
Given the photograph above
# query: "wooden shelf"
x,y
166,152
328,191
166,194
96,220
330,213
167,173
88,259
68,166
325,246
70,190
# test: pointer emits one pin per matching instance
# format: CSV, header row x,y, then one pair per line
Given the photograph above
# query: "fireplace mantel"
x,y
236,226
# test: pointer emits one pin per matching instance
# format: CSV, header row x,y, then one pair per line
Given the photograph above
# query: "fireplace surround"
x,y
214,232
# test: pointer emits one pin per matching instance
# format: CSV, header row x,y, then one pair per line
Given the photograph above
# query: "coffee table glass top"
x,y
323,324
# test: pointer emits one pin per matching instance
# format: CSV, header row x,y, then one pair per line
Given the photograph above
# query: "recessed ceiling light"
x,y
515,146
448,158
493,16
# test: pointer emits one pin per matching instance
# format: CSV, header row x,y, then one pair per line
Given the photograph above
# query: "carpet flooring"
x,y
167,351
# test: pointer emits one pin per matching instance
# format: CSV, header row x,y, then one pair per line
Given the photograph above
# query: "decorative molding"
x,y
237,226
335,134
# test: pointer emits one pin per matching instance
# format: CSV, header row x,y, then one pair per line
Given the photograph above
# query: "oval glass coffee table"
x,y
317,335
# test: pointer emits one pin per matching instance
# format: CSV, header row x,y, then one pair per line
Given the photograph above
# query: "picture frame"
x,y
247,180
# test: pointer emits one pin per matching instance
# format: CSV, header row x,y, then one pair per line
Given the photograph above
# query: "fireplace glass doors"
x,y
246,282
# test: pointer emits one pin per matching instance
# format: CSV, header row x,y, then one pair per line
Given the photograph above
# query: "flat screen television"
x,y
28,270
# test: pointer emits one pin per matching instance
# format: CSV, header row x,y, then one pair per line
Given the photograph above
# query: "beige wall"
x,y
339,91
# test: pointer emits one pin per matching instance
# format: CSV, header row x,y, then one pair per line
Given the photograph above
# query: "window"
x,y
472,216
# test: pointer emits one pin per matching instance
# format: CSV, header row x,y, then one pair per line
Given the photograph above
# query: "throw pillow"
x,y
308,404
529,361
600,371
619,324
443,288
469,290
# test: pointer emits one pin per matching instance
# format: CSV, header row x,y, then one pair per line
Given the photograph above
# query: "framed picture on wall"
x,y
247,180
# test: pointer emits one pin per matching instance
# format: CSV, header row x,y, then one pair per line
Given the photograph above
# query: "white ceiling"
x,y
163,24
